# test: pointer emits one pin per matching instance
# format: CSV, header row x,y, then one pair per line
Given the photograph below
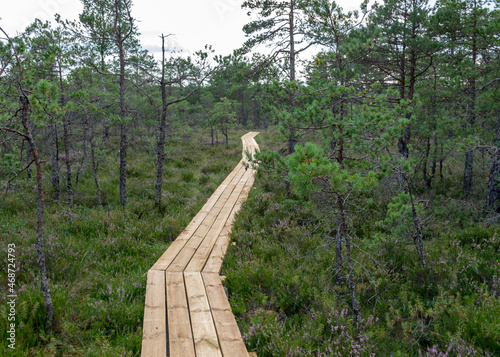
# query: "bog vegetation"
x,y
373,226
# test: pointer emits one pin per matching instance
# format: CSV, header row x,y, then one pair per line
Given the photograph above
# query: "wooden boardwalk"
x,y
187,313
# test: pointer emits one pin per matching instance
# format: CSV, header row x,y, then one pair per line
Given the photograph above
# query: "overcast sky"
x,y
194,23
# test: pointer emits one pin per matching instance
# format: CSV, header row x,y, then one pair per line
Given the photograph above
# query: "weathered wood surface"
x,y
187,312
154,342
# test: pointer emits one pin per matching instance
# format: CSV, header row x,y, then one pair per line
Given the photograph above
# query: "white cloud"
x,y
194,23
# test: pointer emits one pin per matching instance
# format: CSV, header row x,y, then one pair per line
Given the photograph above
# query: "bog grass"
x,y
280,273
97,258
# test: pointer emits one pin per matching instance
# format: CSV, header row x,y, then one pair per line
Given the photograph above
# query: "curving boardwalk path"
x,y
187,313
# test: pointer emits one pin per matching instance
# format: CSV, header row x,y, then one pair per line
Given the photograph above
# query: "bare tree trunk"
x,y
24,111
29,155
68,161
39,214
226,135
123,163
160,152
123,113
468,172
291,137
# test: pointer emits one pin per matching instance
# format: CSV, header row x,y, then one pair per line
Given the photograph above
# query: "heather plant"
x,y
282,284
97,258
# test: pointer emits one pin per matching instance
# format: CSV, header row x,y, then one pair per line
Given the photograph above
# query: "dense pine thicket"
x,y
373,229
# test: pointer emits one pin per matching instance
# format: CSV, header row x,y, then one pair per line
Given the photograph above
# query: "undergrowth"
x,y
97,259
281,281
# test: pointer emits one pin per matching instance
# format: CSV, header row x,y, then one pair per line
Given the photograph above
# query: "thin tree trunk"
x,y
123,113
292,130
29,155
94,164
55,162
468,172
226,134
403,142
44,285
160,152
68,160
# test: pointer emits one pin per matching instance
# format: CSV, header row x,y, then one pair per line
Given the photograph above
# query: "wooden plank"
x,y
230,340
203,251
179,325
204,332
169,255
183,258
214,261
154,340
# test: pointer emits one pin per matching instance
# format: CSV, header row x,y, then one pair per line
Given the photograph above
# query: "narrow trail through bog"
x,y
187,313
